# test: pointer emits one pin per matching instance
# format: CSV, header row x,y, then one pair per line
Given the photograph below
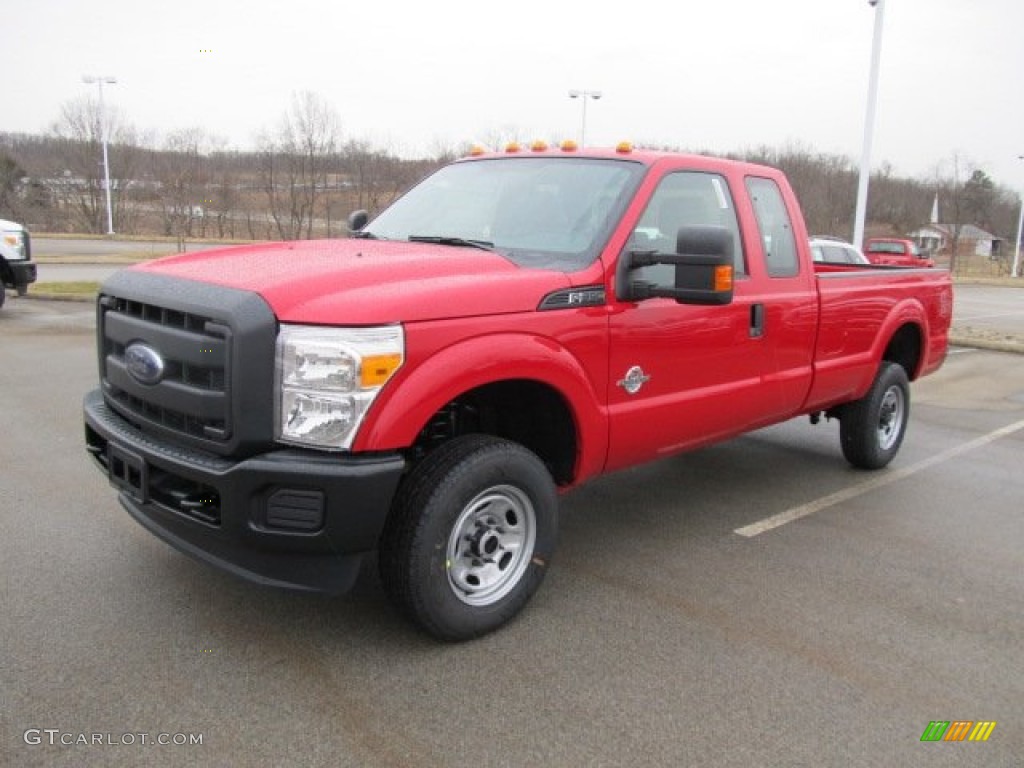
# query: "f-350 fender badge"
x,y
635,378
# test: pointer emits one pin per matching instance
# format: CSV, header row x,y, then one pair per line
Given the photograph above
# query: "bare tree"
x,y
11,174
79,183
378,176
183,174
294,162
825,184
951,193
897,205
223,198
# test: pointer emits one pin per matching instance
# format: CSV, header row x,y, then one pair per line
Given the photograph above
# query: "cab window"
x,y
775,227
685,199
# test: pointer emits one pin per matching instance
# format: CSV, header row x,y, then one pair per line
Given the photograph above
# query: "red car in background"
x,y
892,251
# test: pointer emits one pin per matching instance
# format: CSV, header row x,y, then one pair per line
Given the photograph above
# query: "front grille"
x,y
192,396
202,356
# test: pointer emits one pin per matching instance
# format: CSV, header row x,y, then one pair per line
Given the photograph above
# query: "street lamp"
x,y
869,126
584,95
100,80
1020,231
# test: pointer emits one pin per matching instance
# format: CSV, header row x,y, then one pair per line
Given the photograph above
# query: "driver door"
x,y
684,375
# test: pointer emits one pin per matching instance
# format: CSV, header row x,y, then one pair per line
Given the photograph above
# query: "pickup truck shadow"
x,y
713,490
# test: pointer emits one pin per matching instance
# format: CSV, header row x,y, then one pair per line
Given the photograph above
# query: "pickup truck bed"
x,y
861,309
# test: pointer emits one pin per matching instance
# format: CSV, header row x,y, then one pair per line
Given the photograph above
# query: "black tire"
x,y
458,586
871,429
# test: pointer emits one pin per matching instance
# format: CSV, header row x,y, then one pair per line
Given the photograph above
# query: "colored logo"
x,y
958,730
143,363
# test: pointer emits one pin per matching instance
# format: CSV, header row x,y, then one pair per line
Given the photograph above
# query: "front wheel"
x,y
871,429
470,536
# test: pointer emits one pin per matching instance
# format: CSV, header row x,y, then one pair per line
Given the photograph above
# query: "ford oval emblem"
x,y
144,363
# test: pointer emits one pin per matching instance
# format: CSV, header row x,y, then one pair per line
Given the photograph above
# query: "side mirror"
x,y
357,220
703,269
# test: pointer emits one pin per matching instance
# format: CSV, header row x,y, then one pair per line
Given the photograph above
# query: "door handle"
x,y
756,321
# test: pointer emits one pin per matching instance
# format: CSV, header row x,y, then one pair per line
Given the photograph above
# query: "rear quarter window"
x,y
774,226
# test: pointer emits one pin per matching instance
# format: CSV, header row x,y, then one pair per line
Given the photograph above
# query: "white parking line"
x,y
795,513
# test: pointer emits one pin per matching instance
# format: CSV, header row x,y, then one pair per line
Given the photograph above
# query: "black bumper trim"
x,y
163,481
23,273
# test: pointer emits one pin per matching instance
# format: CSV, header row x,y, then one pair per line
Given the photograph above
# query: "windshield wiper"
x,y
364,234
483,245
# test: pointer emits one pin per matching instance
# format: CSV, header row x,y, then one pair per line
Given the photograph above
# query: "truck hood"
x,y
368,282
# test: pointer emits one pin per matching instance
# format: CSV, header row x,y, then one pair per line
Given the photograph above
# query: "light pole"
x,y
869,125
1020,231
584,95
100,80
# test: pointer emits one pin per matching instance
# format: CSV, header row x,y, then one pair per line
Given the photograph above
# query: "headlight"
x,y
16,242
328,377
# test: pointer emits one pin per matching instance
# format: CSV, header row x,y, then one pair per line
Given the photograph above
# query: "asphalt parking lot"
x,y
671,631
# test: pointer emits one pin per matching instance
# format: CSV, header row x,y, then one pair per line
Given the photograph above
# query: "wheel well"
x,y
527,412
905,349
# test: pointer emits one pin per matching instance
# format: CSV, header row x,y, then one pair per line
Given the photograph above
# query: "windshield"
x,y
550,212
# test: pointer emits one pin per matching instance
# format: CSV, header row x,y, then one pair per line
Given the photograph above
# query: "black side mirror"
x,y
703,269
357,220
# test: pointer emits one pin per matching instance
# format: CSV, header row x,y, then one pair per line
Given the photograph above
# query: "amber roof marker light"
x,y
583,96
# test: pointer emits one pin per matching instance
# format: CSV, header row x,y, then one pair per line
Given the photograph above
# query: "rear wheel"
x,y
871,429
469,536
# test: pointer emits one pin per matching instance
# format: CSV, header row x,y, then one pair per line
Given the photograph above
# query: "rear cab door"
x,y
682,375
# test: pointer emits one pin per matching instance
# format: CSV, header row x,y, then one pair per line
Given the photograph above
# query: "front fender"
x,y
423,387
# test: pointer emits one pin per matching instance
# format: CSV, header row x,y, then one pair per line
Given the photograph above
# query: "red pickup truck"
x,y
896,252
513,326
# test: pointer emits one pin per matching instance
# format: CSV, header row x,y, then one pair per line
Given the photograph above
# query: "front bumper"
x,y
287,518
22,273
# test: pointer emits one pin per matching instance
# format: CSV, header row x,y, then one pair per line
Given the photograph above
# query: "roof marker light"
x,y
513,146
624,147
476,150
569,146
539,146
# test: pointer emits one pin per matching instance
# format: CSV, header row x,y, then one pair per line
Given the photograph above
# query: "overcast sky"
x,y
414,75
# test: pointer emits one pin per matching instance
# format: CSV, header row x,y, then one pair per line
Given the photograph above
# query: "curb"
x,y
1013,345
997,282
59,297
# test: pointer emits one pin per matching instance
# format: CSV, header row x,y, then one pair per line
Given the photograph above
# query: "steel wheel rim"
x,y
890,417
490,545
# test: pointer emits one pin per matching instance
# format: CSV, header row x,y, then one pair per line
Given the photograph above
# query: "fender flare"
x,y
416,393
909,311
